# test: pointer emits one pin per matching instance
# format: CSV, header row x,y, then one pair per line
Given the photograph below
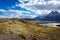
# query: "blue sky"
x,y
5,4
27,8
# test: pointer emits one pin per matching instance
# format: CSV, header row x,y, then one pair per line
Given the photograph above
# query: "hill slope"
x,y
29,30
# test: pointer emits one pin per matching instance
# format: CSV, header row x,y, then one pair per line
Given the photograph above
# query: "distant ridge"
x,y
37,18
54,16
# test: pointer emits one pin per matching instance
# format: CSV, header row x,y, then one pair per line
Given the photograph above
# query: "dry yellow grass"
x,y
27,29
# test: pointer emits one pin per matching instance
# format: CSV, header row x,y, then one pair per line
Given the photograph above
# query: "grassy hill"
x,y
28,30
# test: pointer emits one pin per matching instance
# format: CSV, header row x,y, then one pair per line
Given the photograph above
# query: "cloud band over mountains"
x,y
41,4
33,7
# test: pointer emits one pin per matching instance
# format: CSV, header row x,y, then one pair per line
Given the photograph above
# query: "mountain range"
x,y
52,16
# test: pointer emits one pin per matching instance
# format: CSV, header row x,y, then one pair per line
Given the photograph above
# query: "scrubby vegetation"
x,y
27,30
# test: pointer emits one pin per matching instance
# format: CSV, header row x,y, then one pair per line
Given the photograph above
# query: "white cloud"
x,y
37,6
40,6
16,14
3,16
54,0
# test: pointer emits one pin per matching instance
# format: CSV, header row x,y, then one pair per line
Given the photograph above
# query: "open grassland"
x,y
27,30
